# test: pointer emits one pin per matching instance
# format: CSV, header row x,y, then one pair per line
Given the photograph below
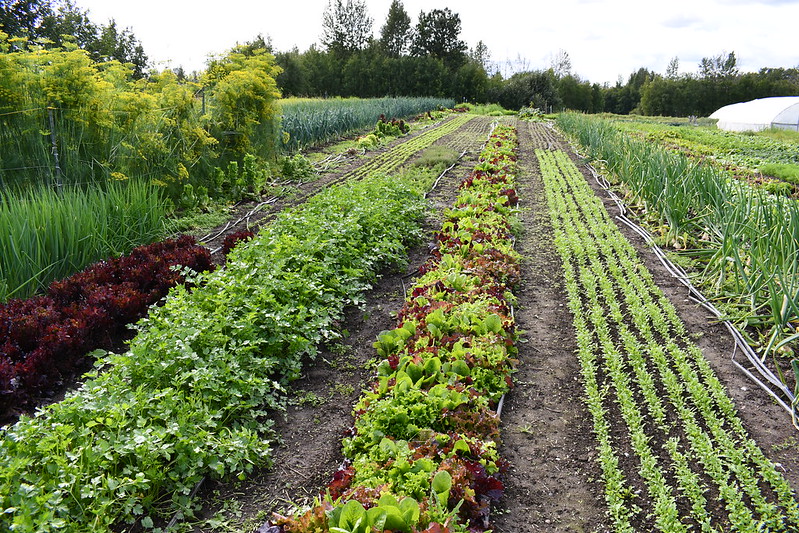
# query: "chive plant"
x,y
47,235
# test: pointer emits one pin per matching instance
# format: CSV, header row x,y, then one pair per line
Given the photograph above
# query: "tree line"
x,y
428,58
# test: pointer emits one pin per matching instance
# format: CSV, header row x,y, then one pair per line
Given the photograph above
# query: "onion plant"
x,y
748,240
47,235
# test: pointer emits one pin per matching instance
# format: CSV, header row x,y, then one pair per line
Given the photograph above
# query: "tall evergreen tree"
x,y
122,46
347,27
480,55
395,35
69,22
438,35
24,17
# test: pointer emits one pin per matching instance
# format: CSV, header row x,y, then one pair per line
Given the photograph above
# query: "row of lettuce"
x,y
422,455
673,453
191,396
46,340
741,241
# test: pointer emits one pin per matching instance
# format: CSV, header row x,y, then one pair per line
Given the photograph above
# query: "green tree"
x,y
395,35
293,80
24,17
469,83
112,44
536,88
69,23
480,55
258,43
346,27
438,35
561,64
575,94
719,66
323,72
673,69
56,23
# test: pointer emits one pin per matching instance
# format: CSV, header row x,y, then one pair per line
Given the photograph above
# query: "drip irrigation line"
x,y
177,515
453,165
774,386
230,224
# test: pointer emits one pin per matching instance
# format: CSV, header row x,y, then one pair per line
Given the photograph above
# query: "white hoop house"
x,y
756,115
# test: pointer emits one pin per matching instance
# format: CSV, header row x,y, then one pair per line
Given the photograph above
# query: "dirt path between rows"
x,y
546,430
320,411
554,482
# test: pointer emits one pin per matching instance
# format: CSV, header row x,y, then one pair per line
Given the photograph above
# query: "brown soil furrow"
x,y
553,483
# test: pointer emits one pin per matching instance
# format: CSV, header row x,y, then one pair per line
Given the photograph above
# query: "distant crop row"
x,y
673,452
314,121
422,456
393,158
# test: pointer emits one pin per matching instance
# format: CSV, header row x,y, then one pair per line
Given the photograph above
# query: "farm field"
x,y
555,478
612,426
769,159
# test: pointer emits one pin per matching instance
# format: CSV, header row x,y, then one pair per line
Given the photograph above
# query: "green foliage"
x,y
190,398
47,235
437,156
296,168
242,103
395,34
438,35
650,387
61,23
315,121
535,89
745,238
346,26
423,450
532,114
390,128
778,188
786,172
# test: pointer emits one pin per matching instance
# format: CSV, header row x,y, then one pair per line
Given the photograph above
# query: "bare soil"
x,y
554,482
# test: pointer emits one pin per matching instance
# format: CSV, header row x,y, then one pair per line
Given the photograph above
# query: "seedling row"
x,y
392,159
682,460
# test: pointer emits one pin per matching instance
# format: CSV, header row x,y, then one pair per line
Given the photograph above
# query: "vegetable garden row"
x,y
740,242
422,455
190,397
673,452
195,395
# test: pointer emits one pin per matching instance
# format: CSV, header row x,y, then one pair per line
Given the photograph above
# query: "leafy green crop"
x,y
190,397
646,382
426,430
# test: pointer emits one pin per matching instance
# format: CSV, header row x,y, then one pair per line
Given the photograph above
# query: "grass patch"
x,y
783,171
437,156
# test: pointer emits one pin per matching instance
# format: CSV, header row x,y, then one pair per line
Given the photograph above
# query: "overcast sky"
x,y
605,39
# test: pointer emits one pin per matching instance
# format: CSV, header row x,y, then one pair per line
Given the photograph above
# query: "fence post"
x,y
58,183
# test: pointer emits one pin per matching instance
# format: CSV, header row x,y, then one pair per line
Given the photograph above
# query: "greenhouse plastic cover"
x,y
756,115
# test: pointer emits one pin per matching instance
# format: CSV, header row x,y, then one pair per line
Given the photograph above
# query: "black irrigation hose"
x,y
775,387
